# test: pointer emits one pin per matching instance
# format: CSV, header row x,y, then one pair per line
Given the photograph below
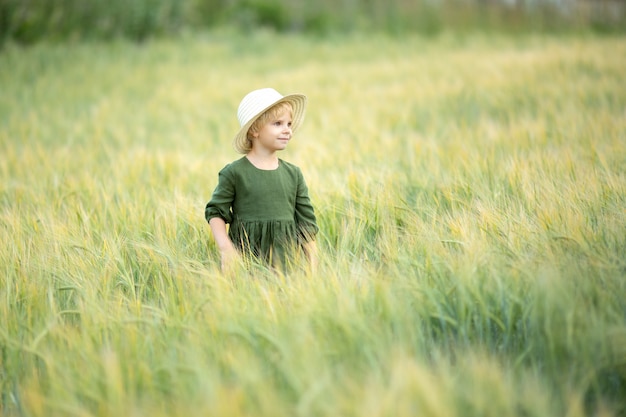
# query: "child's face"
x,y
274,135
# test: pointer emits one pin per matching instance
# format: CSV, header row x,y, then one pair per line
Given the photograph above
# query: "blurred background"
x,y
28,21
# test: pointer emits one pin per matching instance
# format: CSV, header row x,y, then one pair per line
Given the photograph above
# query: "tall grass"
x,y
470,194
32,21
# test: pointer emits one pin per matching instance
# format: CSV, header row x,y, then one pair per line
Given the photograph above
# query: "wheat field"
x,y
471,196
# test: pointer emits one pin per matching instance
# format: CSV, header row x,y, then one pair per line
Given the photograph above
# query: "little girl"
x,y
263,198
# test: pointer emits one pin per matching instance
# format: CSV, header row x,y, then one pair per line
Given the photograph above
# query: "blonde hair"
x,y
269,114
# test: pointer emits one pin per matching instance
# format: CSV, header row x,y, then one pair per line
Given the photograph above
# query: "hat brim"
x,y
298,105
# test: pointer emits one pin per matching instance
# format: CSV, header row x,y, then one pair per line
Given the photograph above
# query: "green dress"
x,y
269,211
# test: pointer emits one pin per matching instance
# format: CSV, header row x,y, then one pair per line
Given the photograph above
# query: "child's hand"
x,y
228,253
310,250
229,258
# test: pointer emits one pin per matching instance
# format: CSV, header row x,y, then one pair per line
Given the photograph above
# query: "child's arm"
x,y
227,249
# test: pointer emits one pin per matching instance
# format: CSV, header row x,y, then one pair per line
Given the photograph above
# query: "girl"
x,y
263,198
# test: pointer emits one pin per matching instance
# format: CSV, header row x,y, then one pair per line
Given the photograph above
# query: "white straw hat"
x,y
257,102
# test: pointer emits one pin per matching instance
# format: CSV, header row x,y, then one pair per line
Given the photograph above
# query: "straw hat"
x,y
255,103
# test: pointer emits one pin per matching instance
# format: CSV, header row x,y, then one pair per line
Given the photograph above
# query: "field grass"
x,y
471,194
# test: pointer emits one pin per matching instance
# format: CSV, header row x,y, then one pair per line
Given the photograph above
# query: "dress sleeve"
x,y
305,215
222,199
